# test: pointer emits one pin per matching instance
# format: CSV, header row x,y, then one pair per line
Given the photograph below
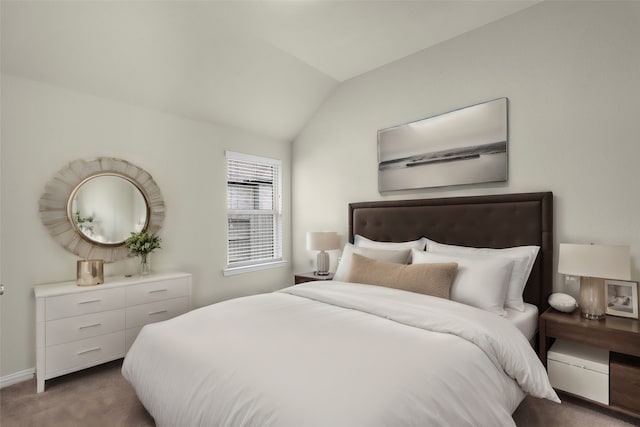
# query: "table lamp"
x,y
594,263
322,241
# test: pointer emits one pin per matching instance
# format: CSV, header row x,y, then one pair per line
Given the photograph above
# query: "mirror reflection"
x,y
106,208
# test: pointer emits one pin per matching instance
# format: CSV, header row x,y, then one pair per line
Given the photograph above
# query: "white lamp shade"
x,y
322,240
601,261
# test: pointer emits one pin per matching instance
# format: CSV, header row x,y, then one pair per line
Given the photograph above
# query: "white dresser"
x,y
82,326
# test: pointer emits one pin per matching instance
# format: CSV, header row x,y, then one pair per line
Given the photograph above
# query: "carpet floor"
x,y
100,396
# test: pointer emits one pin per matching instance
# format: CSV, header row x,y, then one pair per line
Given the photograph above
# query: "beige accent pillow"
x,y
428,279
399,256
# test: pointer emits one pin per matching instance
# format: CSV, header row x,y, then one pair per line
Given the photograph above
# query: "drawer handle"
x,y
90,301
157,312
89,350
158,290
90,326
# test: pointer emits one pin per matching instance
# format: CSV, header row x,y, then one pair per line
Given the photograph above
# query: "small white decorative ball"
x,y
563,302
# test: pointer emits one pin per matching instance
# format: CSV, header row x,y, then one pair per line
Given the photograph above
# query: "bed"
x,y
344,353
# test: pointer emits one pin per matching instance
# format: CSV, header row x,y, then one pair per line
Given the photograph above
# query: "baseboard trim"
x,y
17,377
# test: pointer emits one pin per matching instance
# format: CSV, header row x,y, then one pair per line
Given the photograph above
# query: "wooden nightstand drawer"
x,y
625,381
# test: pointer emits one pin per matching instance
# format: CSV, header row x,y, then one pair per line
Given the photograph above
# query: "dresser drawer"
x,y
84,353
157,291
80,327
83,303
139,315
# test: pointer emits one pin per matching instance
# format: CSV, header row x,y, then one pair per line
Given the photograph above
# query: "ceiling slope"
x,y
261,66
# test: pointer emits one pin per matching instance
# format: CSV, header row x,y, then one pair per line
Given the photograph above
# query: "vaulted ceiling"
x,y
263,66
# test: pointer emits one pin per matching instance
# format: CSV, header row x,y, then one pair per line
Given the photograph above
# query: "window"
x,y
254,213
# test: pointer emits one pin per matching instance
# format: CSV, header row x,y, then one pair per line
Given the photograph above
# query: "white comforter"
x,y
334,354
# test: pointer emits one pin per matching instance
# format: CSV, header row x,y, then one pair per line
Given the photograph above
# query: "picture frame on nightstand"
x,y
622,298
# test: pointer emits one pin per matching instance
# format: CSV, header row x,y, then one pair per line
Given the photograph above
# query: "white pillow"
x,y
523,258
481,281
399,256
363,242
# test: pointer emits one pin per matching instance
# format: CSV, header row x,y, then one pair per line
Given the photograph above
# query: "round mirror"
x,y
91,206
105,209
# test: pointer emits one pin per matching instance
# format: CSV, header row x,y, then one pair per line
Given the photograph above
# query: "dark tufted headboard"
x,y
497,221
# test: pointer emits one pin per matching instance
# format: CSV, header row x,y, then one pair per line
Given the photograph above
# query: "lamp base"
x,y
592,300
322,263
591,316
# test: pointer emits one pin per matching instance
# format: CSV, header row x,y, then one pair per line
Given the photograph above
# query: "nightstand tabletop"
x,y
311,276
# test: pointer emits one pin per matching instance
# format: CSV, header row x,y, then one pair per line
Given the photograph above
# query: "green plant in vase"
x,y
142,244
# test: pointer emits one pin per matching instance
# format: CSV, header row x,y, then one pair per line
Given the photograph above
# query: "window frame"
x,y
277,260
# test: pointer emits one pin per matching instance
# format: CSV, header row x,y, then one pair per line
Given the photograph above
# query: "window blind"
x,y
254,217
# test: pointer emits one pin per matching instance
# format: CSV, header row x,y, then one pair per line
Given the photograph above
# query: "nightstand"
x,y
619,335
310,277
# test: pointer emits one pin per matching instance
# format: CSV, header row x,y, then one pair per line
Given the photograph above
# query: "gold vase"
x,y
90,272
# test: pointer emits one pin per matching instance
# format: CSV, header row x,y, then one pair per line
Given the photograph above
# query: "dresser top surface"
x,y
70,287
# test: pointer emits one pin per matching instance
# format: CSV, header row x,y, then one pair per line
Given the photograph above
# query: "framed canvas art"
x,y
465,146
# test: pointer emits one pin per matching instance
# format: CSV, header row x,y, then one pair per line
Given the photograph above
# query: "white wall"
x,y
571,72
44,128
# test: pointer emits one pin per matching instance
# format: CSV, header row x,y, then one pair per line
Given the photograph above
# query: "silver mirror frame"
x,y
58,191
